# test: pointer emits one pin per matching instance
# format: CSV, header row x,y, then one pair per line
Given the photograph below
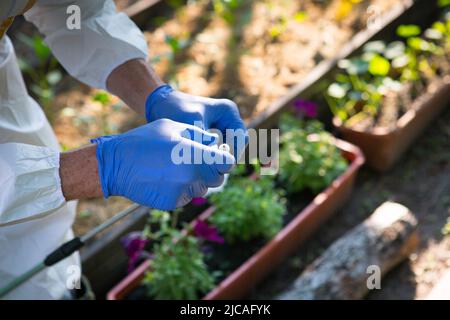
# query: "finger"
x,y
212,162
197,190
200,136
229,122
222,161
211,177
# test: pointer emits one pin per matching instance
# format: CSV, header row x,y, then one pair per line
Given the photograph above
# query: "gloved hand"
x,y
144,166
209,113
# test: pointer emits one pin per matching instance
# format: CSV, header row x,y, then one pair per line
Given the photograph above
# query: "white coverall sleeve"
x,y
105,40
29,181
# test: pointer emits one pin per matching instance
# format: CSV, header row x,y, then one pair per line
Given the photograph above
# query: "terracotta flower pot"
x,y
252,271
383,147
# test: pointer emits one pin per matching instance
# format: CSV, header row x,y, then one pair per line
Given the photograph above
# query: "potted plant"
x,y
253,224
385,97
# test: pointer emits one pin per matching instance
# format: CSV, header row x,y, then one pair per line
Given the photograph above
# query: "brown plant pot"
x,y
252,271
383,147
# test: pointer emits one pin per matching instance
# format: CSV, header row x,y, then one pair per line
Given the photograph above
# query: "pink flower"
x,y
203,230
198,201
306,108
134,245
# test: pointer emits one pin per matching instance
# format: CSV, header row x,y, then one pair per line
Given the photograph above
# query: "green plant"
x,y
363,81
446,228
104,99
45,75
278,28
247,209
227,9
178,268
176,44
308,157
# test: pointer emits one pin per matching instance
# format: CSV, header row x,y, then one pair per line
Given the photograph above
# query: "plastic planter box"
x,y
252,271
383,147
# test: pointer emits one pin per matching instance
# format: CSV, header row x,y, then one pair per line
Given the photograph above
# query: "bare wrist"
x,y
79,174
132,82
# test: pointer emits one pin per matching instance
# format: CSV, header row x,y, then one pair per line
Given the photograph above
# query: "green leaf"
x,y
41,49
53,77
173,43
337,90
379,66
24,65
354,66
443,3
395,49
300,16
375,46
433,34
439,26
419,44
408,30
102,97
401,61
307,164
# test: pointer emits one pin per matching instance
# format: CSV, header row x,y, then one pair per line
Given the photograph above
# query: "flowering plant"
x,y
178,268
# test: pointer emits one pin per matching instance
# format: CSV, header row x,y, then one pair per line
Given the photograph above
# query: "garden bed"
x,y
260,261
384,146
311,83
385,96
422,183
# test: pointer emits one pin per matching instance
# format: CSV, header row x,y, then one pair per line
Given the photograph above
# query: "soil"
x,y
257,58
421,181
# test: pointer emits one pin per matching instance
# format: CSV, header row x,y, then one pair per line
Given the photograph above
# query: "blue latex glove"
x,y
141,164
221,114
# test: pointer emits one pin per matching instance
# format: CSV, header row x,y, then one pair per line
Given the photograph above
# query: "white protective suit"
x,y
34,216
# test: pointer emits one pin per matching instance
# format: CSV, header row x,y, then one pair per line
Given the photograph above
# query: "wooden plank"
x,y
374,247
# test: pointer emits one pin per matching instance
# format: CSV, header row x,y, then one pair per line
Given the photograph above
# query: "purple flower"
x,y
306,108
134,244
203,230
198,201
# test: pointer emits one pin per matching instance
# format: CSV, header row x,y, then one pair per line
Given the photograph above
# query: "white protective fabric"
x,y
34,217
106,38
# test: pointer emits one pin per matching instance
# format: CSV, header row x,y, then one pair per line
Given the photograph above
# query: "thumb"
x,y
222,161
215,164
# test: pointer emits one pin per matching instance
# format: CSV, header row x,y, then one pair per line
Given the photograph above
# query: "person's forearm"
x,y
132,82
79,174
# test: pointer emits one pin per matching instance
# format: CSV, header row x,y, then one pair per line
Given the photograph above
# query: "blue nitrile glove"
x,y
145,164
208,113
